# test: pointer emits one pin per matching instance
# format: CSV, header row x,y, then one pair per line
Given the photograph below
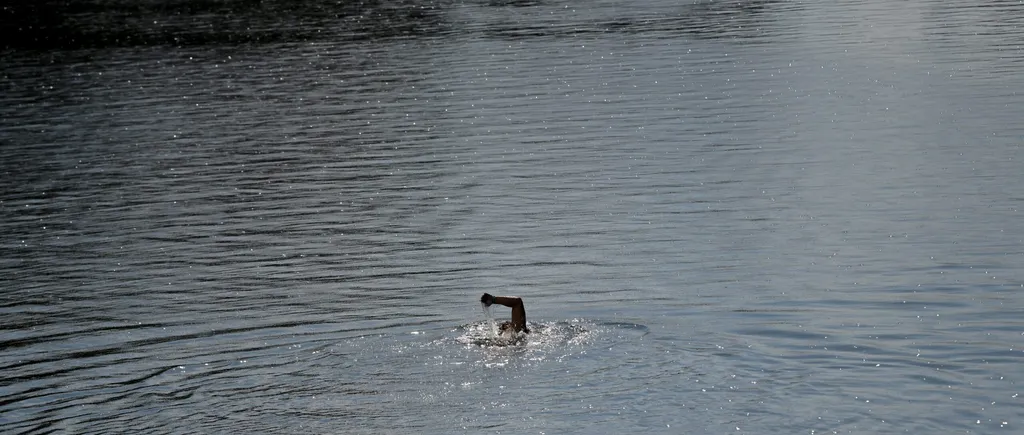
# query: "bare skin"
x,y
518,322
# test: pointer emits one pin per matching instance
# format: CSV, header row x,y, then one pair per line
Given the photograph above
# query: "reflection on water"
x,y
774,217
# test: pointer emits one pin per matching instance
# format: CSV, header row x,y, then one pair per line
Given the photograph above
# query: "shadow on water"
x,y
700,20
108,23
79,24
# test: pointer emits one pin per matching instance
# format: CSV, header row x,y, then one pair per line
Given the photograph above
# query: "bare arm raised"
x,y
518,322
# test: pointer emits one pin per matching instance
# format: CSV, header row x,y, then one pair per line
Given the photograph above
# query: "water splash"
x,y
545,336
490,319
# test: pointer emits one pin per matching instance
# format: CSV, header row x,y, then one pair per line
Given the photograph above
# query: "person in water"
x,y
518,322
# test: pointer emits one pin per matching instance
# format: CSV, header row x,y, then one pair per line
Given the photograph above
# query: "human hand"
x,y
487,299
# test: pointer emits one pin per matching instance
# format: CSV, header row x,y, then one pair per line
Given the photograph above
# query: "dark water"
x,y
724,217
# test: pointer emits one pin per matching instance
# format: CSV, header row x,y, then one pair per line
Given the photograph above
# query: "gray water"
x,y
762,217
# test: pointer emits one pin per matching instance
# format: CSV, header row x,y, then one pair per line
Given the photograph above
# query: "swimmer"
x,y
518,322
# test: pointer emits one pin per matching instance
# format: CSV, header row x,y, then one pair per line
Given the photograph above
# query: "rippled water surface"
x,y
723,216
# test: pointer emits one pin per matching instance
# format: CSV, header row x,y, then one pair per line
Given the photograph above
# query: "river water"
x,y
763,217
